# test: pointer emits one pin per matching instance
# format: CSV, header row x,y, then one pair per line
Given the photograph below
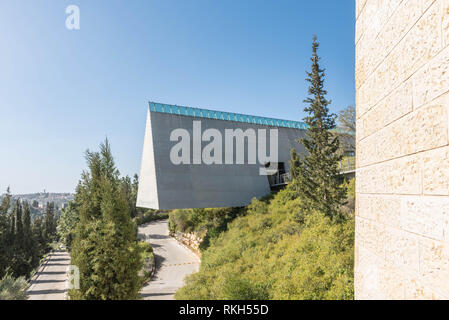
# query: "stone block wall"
x,y
191,240
402,179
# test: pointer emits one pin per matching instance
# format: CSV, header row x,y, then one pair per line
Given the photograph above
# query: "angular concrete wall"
x,y
164,185
402,211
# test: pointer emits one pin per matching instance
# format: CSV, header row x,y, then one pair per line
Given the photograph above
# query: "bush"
x,y
268,254
147,257
239,288
206,223
13,289
150,216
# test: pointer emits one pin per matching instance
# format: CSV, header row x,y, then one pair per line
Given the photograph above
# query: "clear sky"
x,y
63,91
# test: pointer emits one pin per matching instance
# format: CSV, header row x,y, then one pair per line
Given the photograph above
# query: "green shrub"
x,y
147,257
13,289
150,216
240,288
207,223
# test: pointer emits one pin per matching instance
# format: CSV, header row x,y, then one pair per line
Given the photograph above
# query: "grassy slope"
x,y
268,254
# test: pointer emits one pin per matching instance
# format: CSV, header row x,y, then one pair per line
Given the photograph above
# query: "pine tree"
x,y
316,174
105,246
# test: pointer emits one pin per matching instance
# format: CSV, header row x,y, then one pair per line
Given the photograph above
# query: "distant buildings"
x,y
38,201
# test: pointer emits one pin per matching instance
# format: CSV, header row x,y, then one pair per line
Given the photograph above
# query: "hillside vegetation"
x,y
274,251
207,224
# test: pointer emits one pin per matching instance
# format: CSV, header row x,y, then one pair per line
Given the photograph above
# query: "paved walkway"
x,y
173,262
50,282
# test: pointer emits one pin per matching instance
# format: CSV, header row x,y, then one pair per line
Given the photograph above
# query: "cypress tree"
x,y
315,175
18,235
50,223
39,240
105,244
27,234
19,263
29,246
12,230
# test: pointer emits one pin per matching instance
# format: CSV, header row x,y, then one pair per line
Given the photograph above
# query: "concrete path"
x,y
50,282
173,262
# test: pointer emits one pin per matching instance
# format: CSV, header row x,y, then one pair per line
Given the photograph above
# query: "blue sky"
x,y
62,91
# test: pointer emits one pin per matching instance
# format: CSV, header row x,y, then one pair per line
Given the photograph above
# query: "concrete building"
x,y
167,183
402,179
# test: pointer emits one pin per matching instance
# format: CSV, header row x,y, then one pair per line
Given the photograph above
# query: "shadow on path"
x,y
50,291
46,281
51,272
147,295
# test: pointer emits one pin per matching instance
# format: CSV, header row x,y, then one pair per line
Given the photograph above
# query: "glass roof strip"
x,y
210,114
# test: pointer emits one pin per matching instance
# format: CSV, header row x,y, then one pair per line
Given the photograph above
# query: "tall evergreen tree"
x,y
50,223
316,174
27,234
18,235
38,238
29,246
19,262
21,240
105,246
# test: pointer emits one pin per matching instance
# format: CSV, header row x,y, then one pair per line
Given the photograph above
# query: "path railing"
x,y
347,165
280,179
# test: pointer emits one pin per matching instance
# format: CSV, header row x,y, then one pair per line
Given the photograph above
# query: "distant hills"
x,y
38,201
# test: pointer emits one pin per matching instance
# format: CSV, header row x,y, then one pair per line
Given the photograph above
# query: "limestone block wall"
x,y
191,240
402,97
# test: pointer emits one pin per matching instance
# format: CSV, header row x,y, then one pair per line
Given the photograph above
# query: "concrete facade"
x,y
164,185
402,180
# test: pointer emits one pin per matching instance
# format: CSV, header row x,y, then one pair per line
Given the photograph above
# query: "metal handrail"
x,y
347,164
280,179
